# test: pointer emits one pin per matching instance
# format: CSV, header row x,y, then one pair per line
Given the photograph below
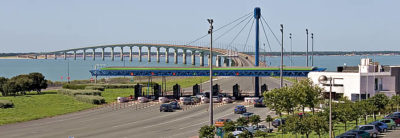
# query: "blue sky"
x,y
339,25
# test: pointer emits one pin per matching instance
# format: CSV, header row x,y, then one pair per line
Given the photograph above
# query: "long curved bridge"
x,y
237,58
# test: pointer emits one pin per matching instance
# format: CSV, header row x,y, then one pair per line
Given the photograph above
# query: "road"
x,y
135,119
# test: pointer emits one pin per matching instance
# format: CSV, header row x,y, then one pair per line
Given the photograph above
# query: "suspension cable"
x,y
226,32
248,35
240,32
277,40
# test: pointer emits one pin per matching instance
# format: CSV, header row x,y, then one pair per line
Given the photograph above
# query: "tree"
x,y
260,133
395,101
24,83
245,134
242,121
229,127
366,108
379,101
11,87
319,124
3,82
39,82
272,100
357,111
269,119
229,135
307,94
207,131
296,125
344,111
254,119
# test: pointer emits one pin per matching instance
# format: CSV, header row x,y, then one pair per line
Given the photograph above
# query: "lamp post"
x,y
307,48
281,69
291,50
323,79
312,49
210,31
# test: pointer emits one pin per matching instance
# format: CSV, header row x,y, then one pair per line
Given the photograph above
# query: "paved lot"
x,y
392,133
130,120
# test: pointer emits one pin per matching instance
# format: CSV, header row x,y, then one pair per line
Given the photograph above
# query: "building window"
x,y
376,83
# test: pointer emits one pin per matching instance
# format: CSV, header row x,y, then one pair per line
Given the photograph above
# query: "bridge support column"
x,y
158,54
55,56
94,54
112,53
122,54
84,54
257,15
65,55
166,55
218,61
74,55
130,54
176,56
184,56
102,54
226,62
45,56
193,57
148,54
201,59
140,54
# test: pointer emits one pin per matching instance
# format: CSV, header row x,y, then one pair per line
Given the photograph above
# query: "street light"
x,y
312,49
323,79
291,50
281,69
210,31
307,48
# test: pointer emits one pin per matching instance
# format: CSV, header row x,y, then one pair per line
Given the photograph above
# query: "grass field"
x,y
32,106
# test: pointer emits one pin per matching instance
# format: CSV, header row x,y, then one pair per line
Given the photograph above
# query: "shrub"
x,y
90,99
73,86
6,104
99,88
79,92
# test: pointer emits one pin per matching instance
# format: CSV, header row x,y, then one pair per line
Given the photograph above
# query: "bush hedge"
x,y
74,86
99,88
79,92
6,104
90,99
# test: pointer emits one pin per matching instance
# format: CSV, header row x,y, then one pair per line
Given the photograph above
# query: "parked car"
x,y
240,109
175,105
395,119
264,128
382,127
217,99
389,122
195,99
259,102
277,122
226,100
240,130
221,122
166,108
246,115
354,134
205,100
371,129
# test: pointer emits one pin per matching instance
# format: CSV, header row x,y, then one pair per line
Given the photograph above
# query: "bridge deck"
x,y
201,71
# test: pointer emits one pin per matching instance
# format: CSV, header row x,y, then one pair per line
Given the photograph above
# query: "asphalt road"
x,y
134,119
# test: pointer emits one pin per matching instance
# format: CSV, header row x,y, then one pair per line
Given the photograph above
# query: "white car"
x,y
143,99
226,100
205,100
163,99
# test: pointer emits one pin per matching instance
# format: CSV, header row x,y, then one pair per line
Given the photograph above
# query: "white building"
x,y
366,80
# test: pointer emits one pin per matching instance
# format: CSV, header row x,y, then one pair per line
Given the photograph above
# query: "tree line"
x,y
22,83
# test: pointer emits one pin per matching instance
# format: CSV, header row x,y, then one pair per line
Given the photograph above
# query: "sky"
x,y
339,25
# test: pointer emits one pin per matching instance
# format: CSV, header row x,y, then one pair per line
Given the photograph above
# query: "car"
x,y
175,105
259,102
277,122
382,127
246,115
355,134
226,100
240,129
221,122
217,99
264,128
195,99
395,119
389,122
166,108
371,129
240,109
187,101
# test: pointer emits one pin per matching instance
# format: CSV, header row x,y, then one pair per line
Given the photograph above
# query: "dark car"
x,y
277,122
240,109
166,108
395,119
259,102
175,105
382,127
355,134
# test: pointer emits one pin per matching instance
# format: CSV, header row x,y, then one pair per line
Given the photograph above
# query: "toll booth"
x,y
236,91
264,88
157,90
196,89
176,91
138,90
215,90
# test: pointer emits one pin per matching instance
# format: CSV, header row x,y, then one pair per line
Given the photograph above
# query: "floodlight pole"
x,y
210,31
307,48
281,68
312,49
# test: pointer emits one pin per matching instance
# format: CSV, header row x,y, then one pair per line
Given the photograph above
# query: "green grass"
x,y
31,107
110,95
338,129
201,68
